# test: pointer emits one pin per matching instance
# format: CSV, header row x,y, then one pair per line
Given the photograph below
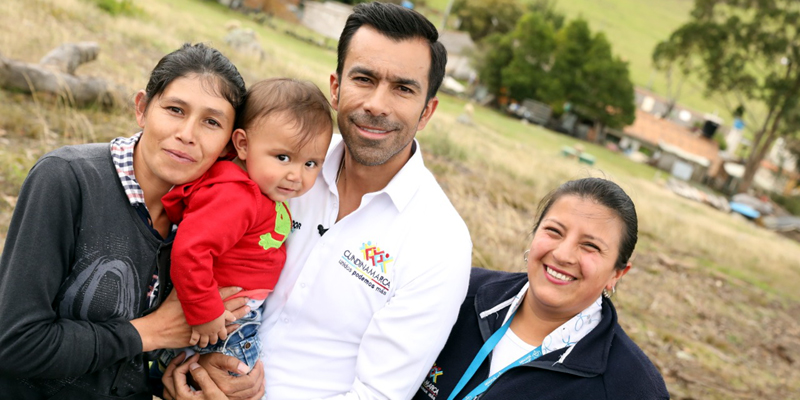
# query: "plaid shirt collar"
x,y
122,155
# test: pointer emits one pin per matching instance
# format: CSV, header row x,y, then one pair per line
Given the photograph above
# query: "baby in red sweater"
x,y
233,219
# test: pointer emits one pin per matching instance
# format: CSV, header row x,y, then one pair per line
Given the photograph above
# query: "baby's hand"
x,y
212,331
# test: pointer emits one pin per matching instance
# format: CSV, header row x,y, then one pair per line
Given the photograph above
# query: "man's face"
x,y
380,97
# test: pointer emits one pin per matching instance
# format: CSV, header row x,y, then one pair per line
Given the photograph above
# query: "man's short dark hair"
x,y
397,23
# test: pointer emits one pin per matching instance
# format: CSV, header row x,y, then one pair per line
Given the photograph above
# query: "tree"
x,y
749,49
526,74
574,43
516,63
496,52
609,100
573,65
547,9
587,75
480,18
793,145
665,60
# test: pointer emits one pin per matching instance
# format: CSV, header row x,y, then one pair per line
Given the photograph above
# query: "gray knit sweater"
x,y
75,270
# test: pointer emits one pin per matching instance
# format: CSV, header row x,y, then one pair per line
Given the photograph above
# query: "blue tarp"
x,y
745,210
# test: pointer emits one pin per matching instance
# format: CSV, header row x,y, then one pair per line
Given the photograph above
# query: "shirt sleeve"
x,y
216,218
404,338
39,249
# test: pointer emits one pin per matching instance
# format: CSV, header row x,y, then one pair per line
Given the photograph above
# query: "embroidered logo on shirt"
x,y
283,225
371,267
429,385
435,372
377,256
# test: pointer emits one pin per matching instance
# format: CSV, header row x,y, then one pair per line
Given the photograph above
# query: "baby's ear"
x,y
238,143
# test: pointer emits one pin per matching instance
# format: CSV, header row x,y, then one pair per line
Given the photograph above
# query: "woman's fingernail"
x,y
243,368
238,289
194,366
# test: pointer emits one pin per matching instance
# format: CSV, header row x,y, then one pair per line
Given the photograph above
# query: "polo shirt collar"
x,y
401,188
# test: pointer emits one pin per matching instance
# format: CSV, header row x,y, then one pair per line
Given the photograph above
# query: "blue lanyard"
x,y
481,356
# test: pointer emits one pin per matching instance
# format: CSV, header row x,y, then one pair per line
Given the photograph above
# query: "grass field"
x,y
711,298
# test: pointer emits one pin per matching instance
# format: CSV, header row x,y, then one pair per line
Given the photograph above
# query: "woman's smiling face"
x,y
572,256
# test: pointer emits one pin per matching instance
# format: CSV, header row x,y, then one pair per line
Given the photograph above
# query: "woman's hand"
x,y
166,327
246,386
177,388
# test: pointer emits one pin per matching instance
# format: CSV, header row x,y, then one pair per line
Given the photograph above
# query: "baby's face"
x,y
275,160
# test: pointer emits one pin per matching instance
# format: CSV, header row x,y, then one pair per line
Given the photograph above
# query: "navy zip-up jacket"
x,y
605,364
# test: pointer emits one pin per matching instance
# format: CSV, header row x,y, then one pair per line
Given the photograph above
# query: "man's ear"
x,y
239,141
141,107
427,113
335,91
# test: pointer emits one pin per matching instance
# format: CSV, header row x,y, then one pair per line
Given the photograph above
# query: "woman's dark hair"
x,y
608,194
397,23
204,61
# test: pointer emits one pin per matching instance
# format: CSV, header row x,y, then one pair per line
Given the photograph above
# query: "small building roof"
x,y
699,160
661,104
456,41
656,131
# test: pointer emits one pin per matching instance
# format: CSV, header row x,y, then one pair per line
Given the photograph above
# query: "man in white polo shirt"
x,y
378,260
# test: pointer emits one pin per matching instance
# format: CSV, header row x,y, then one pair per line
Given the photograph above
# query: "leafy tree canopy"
x,y
556,66
547,9
497,53
480,18
748,49
532,43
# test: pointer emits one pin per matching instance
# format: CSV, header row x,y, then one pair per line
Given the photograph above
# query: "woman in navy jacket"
x,y
552,333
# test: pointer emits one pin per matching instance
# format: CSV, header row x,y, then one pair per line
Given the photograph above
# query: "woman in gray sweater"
x,y
85,264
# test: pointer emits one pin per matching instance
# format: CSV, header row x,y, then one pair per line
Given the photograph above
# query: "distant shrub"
x,y
790,203
720,139
119,7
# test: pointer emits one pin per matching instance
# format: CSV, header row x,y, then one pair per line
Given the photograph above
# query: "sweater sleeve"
x,y
39,249
216,218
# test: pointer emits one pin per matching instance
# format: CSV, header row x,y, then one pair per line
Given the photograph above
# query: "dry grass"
x,y
129,48
710,299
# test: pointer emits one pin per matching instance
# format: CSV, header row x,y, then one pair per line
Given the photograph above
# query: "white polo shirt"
x,y
363,310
